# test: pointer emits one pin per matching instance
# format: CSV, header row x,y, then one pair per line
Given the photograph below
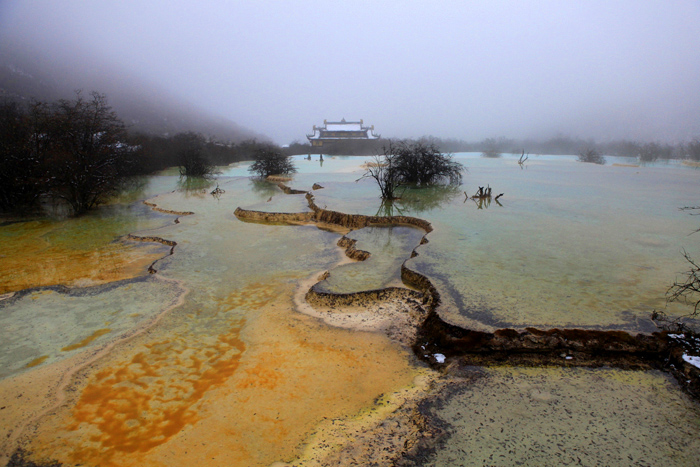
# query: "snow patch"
x,y
693,360
440,358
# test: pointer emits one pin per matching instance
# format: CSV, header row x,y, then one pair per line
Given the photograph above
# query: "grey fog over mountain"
x,y
468,70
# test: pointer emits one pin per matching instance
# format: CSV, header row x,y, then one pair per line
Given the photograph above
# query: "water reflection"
x,y
418,200
194,186
388,247
482,202
263,188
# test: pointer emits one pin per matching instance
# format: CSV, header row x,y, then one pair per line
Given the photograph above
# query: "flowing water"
x,y
208,361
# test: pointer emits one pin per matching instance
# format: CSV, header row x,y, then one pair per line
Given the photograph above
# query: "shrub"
x,y
191,159
592,156
492,147
423,164
269,161
418,164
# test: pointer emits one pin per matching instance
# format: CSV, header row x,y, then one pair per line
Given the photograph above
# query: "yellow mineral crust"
x,y
249,396
30,258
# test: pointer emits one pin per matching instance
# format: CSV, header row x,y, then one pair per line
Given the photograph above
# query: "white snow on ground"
x,y
693,360
440,358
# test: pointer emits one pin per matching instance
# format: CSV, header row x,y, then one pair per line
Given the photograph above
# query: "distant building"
x,y
332,132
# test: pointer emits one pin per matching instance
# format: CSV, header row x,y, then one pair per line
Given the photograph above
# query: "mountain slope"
x,y
26,74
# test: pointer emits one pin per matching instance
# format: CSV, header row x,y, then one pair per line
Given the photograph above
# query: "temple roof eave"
x,y
342,130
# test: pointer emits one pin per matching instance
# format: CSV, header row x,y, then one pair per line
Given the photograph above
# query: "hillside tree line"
x,y
78,152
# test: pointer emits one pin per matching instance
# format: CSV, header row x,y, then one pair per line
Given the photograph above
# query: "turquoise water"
x,y
388,248
570,244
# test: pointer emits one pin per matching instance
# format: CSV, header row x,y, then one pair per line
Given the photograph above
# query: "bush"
x,y
191,158
418,164
423,164
592,156
492,147
270,161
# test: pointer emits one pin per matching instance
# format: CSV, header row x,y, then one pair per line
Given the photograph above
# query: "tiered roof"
x,y
342,130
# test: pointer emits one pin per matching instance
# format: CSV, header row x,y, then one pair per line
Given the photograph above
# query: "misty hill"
x,y
26,73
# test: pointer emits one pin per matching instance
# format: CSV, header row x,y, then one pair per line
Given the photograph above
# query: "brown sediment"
x,y
62,265
155,207
278,178
327,217
171,243
150,238
37,361
275,397
351,251
394,427
274,217
565,347
290,191
87,341
137,427
54,395
358,221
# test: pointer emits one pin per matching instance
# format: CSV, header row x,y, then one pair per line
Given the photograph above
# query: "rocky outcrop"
x,y
350,250
290,191
359,221
567,347
171,243
273,217
155,207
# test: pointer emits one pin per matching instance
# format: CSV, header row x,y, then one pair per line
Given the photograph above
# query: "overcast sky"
x,y
463,69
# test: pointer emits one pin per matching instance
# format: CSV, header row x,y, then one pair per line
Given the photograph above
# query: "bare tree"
x,y
686,291
523,158
692,150
383,170
20,166
87,157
